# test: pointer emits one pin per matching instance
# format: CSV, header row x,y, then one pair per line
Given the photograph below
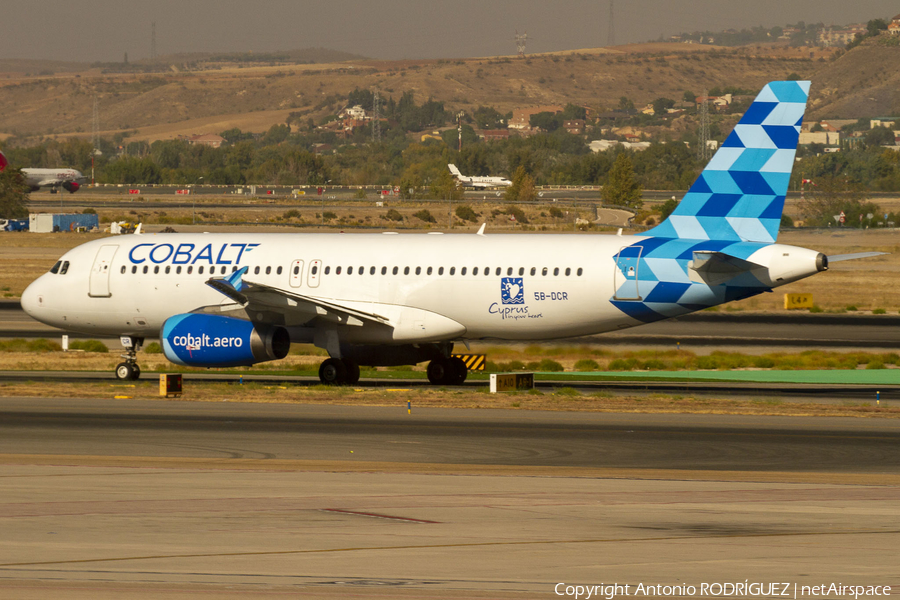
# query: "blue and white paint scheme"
x,y
387,299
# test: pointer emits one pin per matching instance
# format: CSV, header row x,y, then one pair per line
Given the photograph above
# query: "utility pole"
x,y
95,136
376,118
521,38
703,133
459,117
153,40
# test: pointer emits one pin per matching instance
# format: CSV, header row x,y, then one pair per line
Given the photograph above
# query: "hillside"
x,y
864,82
160,106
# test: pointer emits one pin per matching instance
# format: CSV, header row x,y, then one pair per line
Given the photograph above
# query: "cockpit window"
x,y
65,268
55,268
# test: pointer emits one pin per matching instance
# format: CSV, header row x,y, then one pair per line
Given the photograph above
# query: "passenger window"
x,y
190,270
134,269
521,271
453,270
168,269
509,271
315,270
65,268
178,270
337,270
278,272
487,271
371,270
384,270
223,269
327,270
441,271
156,270
145,269
544,271
406,270
462,271
475,271
428,271
556,271
233,269
418,270
498,271
578,272
533,271
199,270
568,271
256,270
362,270
268,270
349,270
296,270
395,271
123,269
55,268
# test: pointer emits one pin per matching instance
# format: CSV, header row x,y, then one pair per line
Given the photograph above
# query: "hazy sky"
x,y
92,30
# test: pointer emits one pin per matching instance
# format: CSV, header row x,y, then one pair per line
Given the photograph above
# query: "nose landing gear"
x,y
129,370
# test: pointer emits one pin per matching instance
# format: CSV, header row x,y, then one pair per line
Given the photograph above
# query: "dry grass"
x,y
564,399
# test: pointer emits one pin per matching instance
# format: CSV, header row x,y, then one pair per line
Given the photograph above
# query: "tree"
x,y
547,121
522,188
660,105
622,187
13,194
832,195
689,96
625,104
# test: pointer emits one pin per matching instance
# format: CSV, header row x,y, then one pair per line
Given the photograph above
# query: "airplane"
x,y
380,299
68,179
478,182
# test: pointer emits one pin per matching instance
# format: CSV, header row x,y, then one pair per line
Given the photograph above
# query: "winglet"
x,y
231,286
481,229
236,279
137,230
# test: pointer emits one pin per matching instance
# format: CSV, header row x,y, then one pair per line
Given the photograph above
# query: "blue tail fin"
x,y
739,196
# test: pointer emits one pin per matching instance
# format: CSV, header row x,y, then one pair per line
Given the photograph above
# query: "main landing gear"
x,y
336,371
447,371
129,370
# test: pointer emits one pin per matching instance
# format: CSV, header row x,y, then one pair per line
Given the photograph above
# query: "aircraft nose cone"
x,y
32,300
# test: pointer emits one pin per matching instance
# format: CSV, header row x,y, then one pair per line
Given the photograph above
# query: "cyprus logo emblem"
x,y
512,291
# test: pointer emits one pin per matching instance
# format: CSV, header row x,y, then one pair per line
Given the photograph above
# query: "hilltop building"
x,y
521,118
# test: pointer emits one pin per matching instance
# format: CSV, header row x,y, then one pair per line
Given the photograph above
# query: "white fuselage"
x,y
36,178
556,285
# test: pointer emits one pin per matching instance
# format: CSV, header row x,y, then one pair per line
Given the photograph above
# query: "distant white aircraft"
x,y
221,300
478,182
68,179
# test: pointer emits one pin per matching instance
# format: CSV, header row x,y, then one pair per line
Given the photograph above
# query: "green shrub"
x,y
361,194
586,364
550,366
328,215
763,362
879,311
556,212
852,307
393,215
815,308
21,345
875,364
566,391
425,215
153,348
466,213
623,364
88,346
291,214
518,213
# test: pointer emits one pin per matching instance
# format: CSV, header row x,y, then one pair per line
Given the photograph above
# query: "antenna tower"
x,y
521,38
376,118
703,134
611,33
95,126
153,40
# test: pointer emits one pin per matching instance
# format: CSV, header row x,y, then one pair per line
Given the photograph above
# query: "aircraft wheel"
x,y
333,372
125,371
136,372
441,371
352,372
460,371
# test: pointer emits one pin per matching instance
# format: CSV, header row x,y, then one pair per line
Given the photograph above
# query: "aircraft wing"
x,y
291,308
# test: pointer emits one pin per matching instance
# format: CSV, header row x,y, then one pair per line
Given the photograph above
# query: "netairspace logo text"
x,y
737,589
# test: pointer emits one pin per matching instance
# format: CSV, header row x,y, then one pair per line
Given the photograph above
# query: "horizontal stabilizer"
x,y
840,257
714,268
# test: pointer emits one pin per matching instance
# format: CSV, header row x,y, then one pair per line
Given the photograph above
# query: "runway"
x,y
112,499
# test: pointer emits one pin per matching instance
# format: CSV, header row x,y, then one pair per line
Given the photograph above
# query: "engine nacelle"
x,y
71,186
201,340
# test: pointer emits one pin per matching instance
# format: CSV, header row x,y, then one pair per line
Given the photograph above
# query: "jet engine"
x,y
202,340
71,186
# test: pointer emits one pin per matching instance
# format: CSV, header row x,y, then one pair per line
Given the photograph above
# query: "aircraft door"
x,y
99,283
315,272
296,273
626,273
